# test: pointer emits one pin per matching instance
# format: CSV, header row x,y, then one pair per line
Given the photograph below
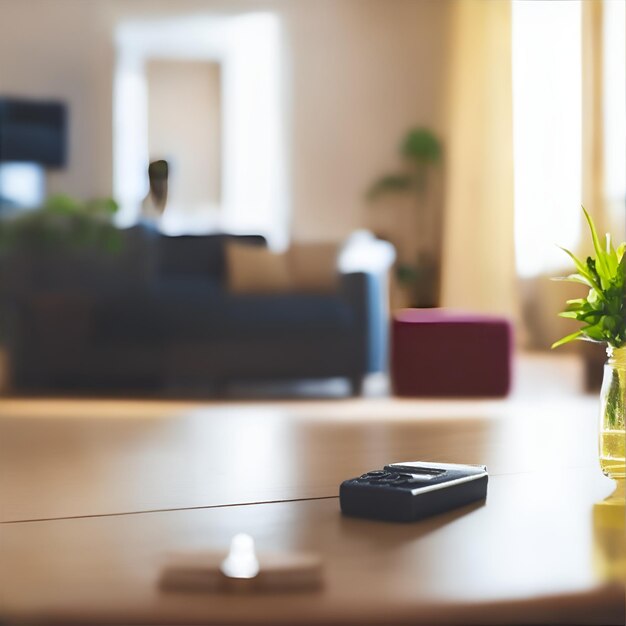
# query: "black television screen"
x,y
34,131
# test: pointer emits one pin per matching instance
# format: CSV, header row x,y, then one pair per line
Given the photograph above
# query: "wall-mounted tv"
x,y
33,131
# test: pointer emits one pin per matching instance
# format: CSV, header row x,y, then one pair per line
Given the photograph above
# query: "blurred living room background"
x,y
201,194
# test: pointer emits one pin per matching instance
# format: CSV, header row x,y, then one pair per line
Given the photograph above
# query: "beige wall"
x,y
51,50
364,72
359,73
184,128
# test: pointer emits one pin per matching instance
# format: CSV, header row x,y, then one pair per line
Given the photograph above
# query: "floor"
x,y
539,374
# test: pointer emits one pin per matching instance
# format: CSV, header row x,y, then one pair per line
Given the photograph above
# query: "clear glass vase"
x,y
613,402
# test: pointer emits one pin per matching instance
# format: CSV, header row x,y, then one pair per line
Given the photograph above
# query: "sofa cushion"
x,y
174,308
197,255
189,307
285,313
313,266
134,319
304,267
256,270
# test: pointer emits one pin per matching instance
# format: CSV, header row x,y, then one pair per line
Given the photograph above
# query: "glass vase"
x,y
613,401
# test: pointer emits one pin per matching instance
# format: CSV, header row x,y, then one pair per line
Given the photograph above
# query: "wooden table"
x,y
94,496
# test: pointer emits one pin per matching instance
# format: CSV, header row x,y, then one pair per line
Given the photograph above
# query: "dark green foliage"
x,y
406,274
602,312
419,149
390,183
421,146
63,222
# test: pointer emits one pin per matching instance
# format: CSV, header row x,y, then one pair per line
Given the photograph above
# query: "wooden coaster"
x,y
202,572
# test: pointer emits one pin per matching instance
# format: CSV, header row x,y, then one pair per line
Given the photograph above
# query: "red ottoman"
x,y
438,352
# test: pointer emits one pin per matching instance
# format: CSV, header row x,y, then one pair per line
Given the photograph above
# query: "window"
x,y
547,132
252,184
614,101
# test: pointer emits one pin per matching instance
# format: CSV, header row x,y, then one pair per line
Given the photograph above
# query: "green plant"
x,y
420,151
603,311
62,222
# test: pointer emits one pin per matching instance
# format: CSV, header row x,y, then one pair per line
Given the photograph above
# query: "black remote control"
x,y
406,492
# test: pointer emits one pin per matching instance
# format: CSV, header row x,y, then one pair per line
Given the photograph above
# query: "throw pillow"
x,y
313,266
255,269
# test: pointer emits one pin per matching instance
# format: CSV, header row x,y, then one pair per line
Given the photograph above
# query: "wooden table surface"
x,y
119,457
94,496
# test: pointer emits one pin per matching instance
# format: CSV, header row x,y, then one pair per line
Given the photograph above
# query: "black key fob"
x,y
407,492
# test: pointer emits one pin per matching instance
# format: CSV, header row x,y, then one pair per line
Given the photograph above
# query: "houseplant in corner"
x,y
602,314
421,152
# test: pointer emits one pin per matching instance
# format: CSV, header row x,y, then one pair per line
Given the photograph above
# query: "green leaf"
x,y
576,303
567,339
422,146
393,183
612,259
582,270
62,222
104,206
61,203
608,323
569,314
573,278
600,253
594,332
406,274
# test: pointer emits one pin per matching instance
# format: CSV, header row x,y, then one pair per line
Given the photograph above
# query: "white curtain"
x,y
478,257
604,87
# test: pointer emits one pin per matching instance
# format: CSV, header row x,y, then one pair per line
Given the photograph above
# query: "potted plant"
x,y
49,246
602,314
62,222
421,153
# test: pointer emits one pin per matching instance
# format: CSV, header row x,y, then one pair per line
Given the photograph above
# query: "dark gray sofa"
x,y
159,313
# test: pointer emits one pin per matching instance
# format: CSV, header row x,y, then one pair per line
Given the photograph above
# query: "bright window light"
x,y
614,100
22,185
547,132
253,152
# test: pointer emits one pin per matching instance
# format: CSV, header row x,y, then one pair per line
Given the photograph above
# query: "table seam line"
x,y
165,510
